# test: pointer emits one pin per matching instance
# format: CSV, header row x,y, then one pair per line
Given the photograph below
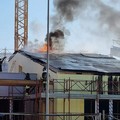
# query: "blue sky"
x,y
89,31
6,23
37,17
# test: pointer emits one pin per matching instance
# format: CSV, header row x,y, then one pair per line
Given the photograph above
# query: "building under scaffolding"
x,y
81,86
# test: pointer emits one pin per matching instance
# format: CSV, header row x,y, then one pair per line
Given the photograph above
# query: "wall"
x,y
60,105
28,66
71,105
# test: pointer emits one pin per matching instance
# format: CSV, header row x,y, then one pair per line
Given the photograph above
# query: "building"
x,y
79,83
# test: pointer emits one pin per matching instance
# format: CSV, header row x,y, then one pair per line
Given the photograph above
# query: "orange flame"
x,y
43,48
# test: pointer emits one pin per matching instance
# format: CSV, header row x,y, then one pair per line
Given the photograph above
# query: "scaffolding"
x,y
68,89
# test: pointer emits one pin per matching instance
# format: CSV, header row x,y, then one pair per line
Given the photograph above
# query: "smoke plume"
x,y
109,17
69,10
56,40
66,10
104,13
35,27
57,34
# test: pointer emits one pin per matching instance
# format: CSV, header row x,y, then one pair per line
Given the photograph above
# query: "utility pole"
x,y
47,85
21,24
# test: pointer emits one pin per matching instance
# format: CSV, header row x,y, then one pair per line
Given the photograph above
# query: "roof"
x,y
77,62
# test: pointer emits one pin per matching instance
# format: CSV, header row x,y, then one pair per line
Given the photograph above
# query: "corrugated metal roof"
x,y
77,62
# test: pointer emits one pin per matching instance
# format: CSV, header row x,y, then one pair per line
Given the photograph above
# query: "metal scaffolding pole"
x,y
97,108
11,108
110,109
47,85
97,102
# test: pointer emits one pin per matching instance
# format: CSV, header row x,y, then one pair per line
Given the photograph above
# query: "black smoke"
x,y
57,34
55,39
69,9
105,14
66,11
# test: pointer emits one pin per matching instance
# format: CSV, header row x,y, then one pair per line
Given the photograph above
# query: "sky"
x,y
88,25
37,20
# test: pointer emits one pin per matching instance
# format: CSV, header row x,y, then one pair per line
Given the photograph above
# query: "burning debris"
x,y
43,48
66,11
56,40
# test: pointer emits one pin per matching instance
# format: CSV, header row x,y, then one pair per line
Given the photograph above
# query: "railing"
x,y
75,87
55,116
85,86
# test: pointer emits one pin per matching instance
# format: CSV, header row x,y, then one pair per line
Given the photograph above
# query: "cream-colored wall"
x,y
76,76
76,86
75,106
84,77
28,66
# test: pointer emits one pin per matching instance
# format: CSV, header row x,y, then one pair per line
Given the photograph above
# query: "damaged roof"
x,y
77,62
